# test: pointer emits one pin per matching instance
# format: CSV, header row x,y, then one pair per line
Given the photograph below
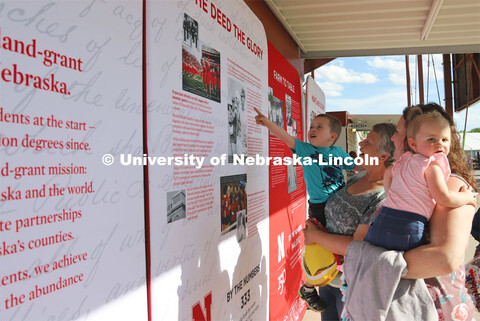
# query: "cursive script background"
x,y
98,43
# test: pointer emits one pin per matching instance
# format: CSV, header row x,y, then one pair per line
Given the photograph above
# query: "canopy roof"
x,y
345,28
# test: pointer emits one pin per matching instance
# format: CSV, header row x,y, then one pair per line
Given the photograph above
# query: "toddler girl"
x,y
415,184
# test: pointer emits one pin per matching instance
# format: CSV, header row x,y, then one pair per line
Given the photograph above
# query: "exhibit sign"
x,y
287,191
208,197
71,216
315,100
97,95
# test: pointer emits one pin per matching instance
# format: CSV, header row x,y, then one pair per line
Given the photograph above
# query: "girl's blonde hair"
x,y
415,119
456,157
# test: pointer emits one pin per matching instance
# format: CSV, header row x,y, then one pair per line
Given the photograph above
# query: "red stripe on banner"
x,y
287,192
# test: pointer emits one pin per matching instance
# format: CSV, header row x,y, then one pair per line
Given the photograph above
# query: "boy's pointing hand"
x,y
260,118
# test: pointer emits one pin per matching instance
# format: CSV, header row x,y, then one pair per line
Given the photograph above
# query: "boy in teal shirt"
x,y
321,178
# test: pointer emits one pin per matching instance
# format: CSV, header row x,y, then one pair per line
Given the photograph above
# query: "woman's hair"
x,y
456,157
385,145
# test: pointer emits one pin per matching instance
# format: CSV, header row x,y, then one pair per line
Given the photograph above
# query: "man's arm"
x,y
334,243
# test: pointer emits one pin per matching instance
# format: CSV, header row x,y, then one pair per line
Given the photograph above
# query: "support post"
x,y
420,80
447,84
407,68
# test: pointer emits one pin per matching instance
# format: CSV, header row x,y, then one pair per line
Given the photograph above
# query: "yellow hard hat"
x,y
319,265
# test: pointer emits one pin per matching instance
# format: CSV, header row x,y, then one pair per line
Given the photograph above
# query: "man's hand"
x,y
311,229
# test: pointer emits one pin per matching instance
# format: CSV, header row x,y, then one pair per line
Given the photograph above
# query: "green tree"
x,y
475,130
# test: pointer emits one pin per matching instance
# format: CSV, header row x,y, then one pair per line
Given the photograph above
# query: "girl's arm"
x,y
387,179
449,234
440,192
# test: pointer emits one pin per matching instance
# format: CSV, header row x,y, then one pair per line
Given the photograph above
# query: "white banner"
x,y
207,70
315,100
71,228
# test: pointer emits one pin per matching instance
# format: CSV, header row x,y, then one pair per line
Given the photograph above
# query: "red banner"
x,y
287,192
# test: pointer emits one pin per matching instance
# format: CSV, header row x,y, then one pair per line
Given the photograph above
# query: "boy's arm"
x,y
438,189
278,131
348,166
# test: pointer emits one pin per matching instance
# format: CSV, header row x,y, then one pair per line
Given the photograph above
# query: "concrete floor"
x,y
315,316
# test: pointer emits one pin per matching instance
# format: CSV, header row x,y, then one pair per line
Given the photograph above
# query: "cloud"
x,y
390,64
473,120
331,89
331,77
347,83
397,79
339,62
396,68
393,102
389,102
435,61
339,74
428,70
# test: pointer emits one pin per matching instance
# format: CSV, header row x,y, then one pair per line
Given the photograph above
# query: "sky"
x,y
377,85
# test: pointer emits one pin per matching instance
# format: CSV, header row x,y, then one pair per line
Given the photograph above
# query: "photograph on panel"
x,y
237,119
288,107
200,63
294,128
291,178
311,117
242,231
190,31
275,112
176,209
233,196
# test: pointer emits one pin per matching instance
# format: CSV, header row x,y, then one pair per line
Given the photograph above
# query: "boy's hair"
x,y
334,123
416,118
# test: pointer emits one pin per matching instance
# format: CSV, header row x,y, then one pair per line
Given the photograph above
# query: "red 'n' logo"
x,y
197,312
